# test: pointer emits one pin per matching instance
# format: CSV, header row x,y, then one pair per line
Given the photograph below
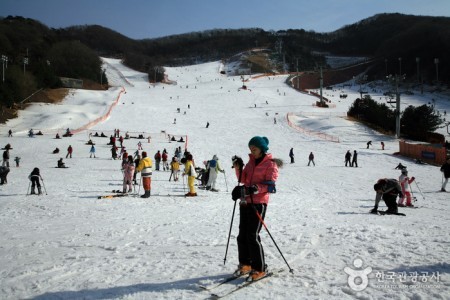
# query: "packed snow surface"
x,y
67,244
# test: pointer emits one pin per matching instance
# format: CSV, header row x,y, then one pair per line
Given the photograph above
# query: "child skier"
x,y
34,177
92,151
189,170
145,167
175,168
405,181
128,173
17,160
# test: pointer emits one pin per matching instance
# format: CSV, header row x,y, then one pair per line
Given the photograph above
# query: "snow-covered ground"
x,y
67,244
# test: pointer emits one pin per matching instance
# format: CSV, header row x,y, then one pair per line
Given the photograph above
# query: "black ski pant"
x,y
250,249
35,182
391,203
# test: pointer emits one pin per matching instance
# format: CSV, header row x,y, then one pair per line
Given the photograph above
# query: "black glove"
x,y
250,190
241,191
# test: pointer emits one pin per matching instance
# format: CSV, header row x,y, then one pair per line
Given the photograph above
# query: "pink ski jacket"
x,y
266,170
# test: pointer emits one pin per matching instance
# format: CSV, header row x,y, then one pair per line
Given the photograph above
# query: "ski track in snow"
x,y
70,245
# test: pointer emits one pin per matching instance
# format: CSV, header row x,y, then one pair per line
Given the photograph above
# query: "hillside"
x,y
68,244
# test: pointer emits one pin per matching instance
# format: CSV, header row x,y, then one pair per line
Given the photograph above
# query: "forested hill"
x,y
74,51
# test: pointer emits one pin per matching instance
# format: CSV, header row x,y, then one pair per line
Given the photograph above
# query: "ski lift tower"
x,y
395,81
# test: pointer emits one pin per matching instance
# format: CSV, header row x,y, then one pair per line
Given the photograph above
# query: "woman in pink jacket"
x,y
128,174
258,178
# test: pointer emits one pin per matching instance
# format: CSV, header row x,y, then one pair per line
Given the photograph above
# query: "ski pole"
x,y
226,183
267,229
43,185
232,218
229,233
419,190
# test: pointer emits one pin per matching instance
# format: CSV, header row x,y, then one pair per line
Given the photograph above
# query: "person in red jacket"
x,y
164,160
258,181
69,151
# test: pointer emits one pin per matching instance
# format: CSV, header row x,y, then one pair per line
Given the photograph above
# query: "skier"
x,y
213,167
6,158
114,152
445,169
189,170
31,133
17,160
164,160
175,168
207,124
258,179
145,167
121,141
10,133
405,181
382,145
128,173
291,155
34,177
157,160
355,159
92,151
388,189
369,143
3,175
69,151
311,159
139,145
136,164
348,156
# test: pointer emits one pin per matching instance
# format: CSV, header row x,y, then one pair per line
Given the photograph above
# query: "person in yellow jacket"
x,y
189,170
175,168
145,167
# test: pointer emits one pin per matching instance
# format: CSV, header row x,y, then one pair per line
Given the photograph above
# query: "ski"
x,y
240,287
112,196
383,213
221,282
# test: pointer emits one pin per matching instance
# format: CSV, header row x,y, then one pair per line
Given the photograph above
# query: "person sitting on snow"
x,y
61,164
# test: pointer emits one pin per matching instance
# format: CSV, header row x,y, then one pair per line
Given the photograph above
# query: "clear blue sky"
x,y
140,19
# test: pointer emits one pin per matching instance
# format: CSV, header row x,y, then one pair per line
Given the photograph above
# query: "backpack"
x,y
212,164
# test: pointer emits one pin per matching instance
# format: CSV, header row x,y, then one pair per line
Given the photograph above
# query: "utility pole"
x,y
396,80
436,61
321,86
298,78
4,60
25,62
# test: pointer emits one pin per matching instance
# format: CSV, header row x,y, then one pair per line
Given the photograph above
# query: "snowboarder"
x,y
3,175
213,167
405,181
348,157
445,169
157,158
60,163
128,173
311,159
355,159
69,151
258,179
387,189
34,177
291,155
92,151
6,158
175,168
189,170
145,167
369,143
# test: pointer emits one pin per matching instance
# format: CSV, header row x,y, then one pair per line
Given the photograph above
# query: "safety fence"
x,y
430,153
318,134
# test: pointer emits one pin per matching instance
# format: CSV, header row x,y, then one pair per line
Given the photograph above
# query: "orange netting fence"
x,y
435,154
